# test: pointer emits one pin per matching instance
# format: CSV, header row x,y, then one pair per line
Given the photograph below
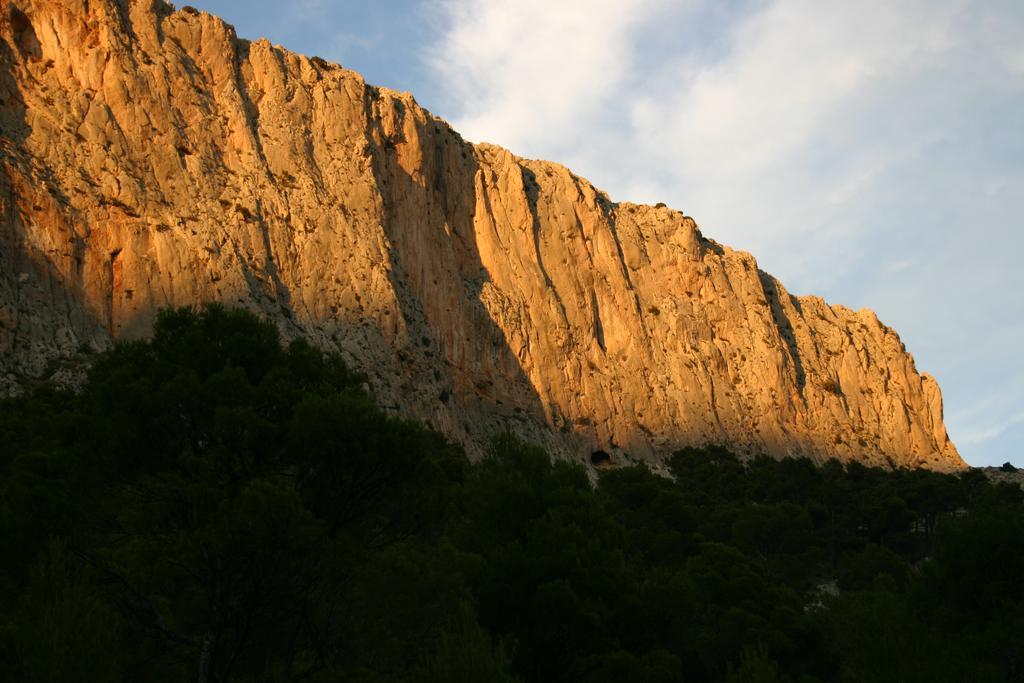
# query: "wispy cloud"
x,y
990,433
526,73
871,152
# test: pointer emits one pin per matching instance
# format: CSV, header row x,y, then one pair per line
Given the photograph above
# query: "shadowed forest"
x,y
214,505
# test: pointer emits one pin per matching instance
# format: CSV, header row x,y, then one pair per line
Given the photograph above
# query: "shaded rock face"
x,y
151,158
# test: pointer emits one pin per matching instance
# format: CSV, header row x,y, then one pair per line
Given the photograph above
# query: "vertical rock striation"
x,y
151,158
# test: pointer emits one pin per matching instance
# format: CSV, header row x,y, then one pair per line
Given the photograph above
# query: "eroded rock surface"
x,y
151,158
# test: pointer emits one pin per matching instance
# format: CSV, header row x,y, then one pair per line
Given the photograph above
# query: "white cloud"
x,y
971,437
792,66
871,152
526,73
764,144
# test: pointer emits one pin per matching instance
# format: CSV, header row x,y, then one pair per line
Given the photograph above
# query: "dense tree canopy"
x,y
215,506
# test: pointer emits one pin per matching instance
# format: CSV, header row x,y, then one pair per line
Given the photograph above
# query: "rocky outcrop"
x,y
151,158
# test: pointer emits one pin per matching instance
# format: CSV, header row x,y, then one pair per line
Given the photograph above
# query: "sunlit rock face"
x,y
151,158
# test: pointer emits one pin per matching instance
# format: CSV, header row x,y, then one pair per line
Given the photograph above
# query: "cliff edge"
x,y
151,158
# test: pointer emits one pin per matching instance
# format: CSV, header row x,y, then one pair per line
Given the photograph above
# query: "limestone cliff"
x,y
151,158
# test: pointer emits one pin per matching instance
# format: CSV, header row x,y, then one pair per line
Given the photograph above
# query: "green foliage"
x,y
877,637
755,666
217,505
222,495
64,630
464,653
858,571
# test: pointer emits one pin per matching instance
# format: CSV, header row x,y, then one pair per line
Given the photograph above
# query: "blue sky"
x,y
869,152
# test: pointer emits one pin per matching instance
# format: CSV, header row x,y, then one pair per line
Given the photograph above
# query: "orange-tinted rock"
x,y
150,158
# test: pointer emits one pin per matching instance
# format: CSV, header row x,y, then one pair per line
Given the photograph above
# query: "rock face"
x,y
151,158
